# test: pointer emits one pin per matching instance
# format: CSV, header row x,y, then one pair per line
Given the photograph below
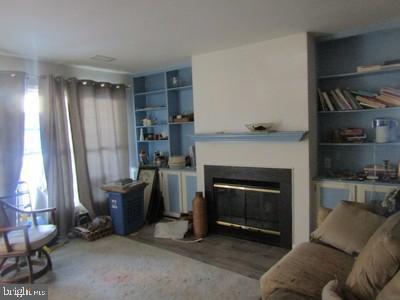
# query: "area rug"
x,y
118,268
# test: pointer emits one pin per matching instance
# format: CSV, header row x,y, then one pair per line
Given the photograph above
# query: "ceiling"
x,y
150,34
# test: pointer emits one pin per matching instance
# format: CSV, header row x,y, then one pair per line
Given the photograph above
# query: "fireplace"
x,y
250,203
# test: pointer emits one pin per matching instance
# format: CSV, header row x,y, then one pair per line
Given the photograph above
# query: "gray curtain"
x,y
82,173
98,113
55,142
12,128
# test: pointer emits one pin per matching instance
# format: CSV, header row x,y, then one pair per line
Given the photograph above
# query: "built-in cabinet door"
x,y
171,191
174,193
330,193
189,187
367,193
164,189
178,189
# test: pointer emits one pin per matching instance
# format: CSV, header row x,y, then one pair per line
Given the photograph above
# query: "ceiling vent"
x,y
102,58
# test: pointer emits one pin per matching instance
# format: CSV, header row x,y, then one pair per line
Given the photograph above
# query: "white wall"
x,y
267,81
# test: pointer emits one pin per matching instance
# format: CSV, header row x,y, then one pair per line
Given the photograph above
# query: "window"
x,y
32,168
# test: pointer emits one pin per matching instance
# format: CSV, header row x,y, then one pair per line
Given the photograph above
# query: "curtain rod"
x,y
83,81
91,81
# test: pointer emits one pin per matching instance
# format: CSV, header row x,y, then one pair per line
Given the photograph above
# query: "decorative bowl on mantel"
x,y
260,127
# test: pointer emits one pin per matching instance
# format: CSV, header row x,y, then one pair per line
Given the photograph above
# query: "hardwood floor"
x,y
248,258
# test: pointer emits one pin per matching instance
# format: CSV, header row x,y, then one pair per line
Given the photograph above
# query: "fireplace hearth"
x,y
250,203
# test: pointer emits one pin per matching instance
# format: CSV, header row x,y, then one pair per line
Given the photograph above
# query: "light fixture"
x,y
102,58
102,84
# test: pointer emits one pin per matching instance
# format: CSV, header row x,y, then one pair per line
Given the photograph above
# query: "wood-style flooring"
x,y
248,258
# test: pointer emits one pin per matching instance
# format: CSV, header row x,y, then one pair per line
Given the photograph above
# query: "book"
x,y
328,102
391,91
389,100
364,93
394,66
343,99
370,102
368,68
391,96
391,62
339,101
395,63
323,106
349,96
352,131
332,101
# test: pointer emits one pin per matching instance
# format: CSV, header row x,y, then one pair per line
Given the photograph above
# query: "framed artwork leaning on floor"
x,y
148,175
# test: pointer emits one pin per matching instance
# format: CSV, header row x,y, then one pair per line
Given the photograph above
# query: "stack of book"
x,y
350,135
389,96
338,100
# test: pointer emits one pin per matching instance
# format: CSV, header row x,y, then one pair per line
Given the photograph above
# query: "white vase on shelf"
x,y
141,135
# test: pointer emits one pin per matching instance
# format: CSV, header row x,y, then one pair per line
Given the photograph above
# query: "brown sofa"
x,y
304,271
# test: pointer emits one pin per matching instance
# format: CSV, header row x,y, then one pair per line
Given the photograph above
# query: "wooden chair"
x,y
26,241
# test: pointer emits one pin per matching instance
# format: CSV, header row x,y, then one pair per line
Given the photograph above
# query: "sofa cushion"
x,y
284,294
348,228
38,237
306,269
332,291
378,262
391,291
323,212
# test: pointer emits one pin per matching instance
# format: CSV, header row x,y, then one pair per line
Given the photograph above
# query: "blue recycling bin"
x,y
127,209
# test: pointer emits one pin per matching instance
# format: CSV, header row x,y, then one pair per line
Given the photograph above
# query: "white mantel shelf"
x,y
278,136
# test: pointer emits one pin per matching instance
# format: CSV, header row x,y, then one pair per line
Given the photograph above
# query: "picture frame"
x,y
147,175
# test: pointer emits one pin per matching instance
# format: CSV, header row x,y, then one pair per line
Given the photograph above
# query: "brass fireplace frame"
x,y
246,188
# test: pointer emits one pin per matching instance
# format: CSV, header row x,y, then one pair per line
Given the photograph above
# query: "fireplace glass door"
x,y
253,208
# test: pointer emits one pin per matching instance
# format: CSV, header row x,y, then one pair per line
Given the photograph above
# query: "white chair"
x,y
25,244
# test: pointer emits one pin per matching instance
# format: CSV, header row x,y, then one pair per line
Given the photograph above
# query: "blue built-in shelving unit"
x,y
160,96
279,136
337,61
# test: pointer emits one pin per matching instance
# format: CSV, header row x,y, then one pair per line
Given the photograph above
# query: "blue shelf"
x,y
152,141
356,181
181,123
152,126
359,74
360,144
334,58
160,96
360,110
150,92
180,88
280,136
151,108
